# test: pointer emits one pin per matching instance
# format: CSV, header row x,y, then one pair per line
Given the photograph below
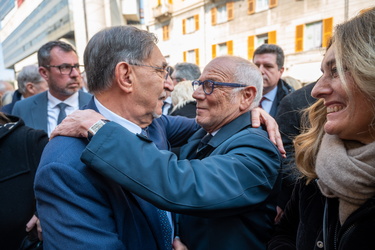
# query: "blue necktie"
x,y
62,113
163,217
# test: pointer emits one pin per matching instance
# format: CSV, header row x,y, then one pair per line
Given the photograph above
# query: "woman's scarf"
x,y
346,170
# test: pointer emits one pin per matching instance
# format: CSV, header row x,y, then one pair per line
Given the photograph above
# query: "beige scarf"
x,y
346,170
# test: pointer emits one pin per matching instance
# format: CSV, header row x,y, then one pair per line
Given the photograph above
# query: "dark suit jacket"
x,y
20,151
283,89
230,196
7,109
289,119
33,110
79,209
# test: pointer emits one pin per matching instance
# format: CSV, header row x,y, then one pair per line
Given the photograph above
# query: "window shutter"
x,y
230,10
213,16
183,26
299,38
197,56
230,47
196,19
250,7
272,37
170,1
250,47
184,56
159,2
165,32
213,51
327,31
273,3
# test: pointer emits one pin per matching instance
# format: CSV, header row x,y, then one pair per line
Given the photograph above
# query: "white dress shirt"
x,y
269,98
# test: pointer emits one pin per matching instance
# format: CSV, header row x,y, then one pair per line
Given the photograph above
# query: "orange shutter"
x,y
272,37
273,3
170,1
230,10
196,19
299,38
250,47
327,31
159,2
230,47
213,51
183,26
197,56
184,56
213,16
250,7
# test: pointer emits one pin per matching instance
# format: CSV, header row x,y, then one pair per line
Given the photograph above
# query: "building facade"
x,y
188,30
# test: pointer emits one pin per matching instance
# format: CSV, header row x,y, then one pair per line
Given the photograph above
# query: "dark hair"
x,y
44,53
109,47
271,49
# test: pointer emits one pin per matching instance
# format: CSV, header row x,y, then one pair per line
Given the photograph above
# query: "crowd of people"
x,y
134,154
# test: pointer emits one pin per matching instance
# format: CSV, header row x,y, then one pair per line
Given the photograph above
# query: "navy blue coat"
x,y
228,198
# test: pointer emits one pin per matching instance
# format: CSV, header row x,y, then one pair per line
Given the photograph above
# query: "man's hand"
x,y
259,116
31,224
77,124
178,245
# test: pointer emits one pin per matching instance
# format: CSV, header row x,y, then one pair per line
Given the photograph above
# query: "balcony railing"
x,y
162,12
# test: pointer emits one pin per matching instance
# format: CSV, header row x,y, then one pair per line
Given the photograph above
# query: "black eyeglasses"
x,y
165,70
66,69
209,85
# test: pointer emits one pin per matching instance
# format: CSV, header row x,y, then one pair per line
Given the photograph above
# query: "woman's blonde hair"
x,y
354,47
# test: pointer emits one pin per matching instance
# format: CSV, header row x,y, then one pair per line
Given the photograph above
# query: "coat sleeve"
x,y
242,174
72,211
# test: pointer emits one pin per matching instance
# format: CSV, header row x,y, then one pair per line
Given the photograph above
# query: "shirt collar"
x,y
271,95
72,100
132,127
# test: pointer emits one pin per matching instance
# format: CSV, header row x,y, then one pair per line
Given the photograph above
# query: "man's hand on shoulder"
x,y
77,124
258,117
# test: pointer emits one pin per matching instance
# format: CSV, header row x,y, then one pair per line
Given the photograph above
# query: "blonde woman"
x,y
333,206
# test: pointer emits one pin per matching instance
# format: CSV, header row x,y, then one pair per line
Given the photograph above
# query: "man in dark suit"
x,y
77,207
30,83
289,117
270,60
59,66
224,191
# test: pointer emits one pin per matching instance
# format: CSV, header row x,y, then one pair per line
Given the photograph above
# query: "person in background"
x,y
182,100
6,90
185,71
332,206
293,82
59,66
30,83
181,72
20,150
289,117
270,60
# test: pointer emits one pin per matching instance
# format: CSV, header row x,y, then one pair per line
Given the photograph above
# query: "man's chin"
x,y
156,115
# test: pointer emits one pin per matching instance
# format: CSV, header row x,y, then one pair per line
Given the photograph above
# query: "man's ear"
x,y
30,88
247,97
43,72
124,76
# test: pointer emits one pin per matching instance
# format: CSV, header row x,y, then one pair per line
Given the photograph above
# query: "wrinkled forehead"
x,y
219,70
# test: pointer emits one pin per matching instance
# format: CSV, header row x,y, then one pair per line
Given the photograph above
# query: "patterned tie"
x,y
261,100
163,217
62,113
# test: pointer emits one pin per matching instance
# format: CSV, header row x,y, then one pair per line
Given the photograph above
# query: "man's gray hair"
x,y
28,73
187,71
109,47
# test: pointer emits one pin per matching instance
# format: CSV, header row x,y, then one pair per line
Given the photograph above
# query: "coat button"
x,y
319,244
